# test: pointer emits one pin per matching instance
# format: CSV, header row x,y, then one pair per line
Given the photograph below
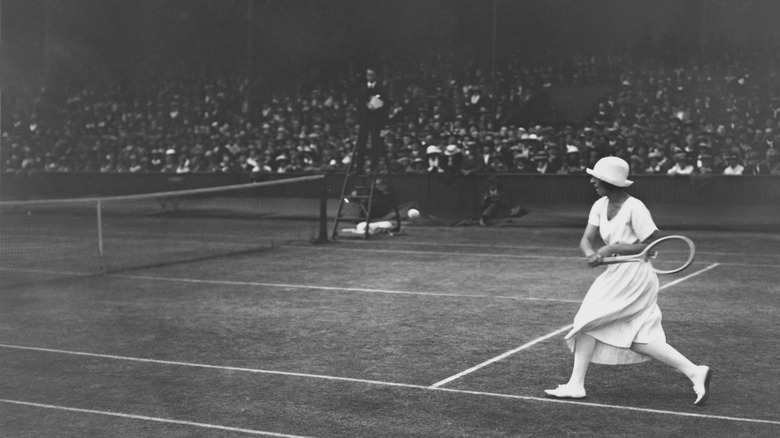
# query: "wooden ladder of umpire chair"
x,y
358,193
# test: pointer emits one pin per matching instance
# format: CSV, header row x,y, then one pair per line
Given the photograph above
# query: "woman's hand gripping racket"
x,y
669,255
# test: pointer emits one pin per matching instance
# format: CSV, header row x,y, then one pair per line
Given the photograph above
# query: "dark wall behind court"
x,y
91,40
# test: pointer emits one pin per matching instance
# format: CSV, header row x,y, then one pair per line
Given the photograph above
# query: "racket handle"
x,y
623,259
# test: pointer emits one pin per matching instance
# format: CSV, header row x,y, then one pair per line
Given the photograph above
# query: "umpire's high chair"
x,y
361,192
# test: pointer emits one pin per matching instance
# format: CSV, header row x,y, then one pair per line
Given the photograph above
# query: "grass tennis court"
x,y
436,332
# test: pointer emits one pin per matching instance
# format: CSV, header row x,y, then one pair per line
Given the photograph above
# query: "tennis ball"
x,y
413,213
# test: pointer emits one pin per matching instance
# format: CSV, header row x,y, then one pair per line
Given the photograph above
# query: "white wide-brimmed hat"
x,y
452,149
613,170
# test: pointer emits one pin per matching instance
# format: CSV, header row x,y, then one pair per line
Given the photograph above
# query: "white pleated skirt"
x,y
620,309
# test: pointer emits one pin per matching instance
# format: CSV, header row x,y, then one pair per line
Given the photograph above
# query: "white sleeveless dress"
x,y
620,307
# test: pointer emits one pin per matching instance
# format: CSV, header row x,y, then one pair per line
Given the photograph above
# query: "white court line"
x,y
616,407
154,419
538,256
499,357
332,288
680,280
449,253
394,384
566,248
407,243
548,336
48,272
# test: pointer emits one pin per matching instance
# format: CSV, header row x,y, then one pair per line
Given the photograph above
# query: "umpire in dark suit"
x,y
373,103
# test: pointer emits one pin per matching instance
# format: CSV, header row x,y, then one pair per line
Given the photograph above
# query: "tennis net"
x,y
53,239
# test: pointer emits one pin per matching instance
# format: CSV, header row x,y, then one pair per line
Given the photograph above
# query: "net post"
x,y
323,219
100,227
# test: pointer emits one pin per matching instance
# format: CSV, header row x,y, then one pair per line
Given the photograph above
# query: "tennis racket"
x,y
669,255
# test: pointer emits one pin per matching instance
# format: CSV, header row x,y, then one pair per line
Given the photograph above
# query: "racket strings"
x,y
671,255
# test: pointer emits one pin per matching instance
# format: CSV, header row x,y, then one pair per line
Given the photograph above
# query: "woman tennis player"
x,y
619,321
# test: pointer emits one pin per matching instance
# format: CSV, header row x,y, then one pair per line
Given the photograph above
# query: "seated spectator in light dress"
x,y
655,163
732,165
681,166
435,159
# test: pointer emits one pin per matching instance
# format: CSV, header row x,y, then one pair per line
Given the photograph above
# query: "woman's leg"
x,y
669,355
699,374
575,388
583,352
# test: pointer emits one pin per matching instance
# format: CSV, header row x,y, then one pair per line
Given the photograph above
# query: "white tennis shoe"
x,y
701,385
565,391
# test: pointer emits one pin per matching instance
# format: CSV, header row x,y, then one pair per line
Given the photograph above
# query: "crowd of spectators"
x,y
447,115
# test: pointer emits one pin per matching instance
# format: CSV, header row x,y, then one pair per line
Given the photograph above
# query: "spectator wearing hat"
x,y
213,160
615,142
733,167
477,101
156,160
471,159
109,164
198,162
542,163
401,164
753,164
283,164
183,165
564,170
637,164
589,138
253,164
330,160
436,162
555,161
770,139
454,156
171,161
573,160
522,164
682,166
656,163
228,165
705,164
772,161
530,145
504,151
486,156
705,149
419,165
23,168
496,165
